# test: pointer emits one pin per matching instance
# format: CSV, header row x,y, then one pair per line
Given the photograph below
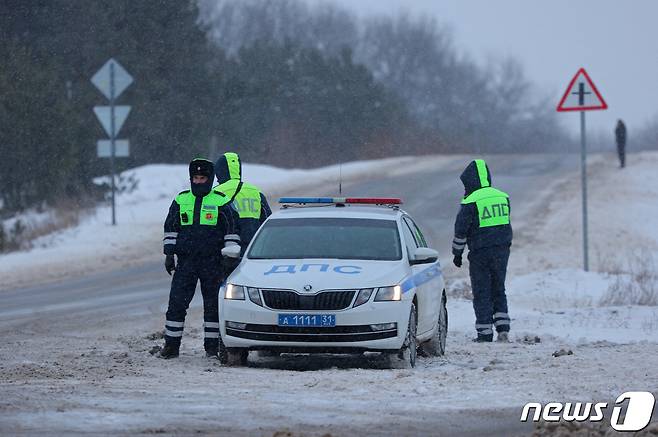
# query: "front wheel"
x,y
436,346
408,352
232,356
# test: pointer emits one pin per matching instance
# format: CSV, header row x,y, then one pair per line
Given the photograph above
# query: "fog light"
x,y
383,326
236,325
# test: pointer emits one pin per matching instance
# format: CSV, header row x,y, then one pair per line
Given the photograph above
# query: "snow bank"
x,y
569,305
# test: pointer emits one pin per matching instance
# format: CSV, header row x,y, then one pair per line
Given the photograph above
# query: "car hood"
x,y
319,274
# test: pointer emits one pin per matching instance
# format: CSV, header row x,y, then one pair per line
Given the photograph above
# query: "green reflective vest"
x,y
209,212
492,206
246,202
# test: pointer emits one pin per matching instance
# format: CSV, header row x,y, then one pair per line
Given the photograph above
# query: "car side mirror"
x,y
424,255
232,251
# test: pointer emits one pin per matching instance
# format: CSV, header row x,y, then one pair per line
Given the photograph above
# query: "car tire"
x,y
409,350
436,346
232,357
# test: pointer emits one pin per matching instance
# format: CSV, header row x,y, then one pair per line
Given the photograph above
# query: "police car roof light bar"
x,y
374,200
339,200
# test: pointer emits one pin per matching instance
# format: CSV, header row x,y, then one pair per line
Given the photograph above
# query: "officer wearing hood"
x,y
483,223
199,224
250,204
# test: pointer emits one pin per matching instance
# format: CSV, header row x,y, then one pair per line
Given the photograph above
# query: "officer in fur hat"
x,y
199,224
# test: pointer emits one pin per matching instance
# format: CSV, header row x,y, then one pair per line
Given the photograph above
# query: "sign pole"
x,y
112,136
582,95
112,80
583,170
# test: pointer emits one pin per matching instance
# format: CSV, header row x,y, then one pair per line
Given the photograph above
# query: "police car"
x,y
335,275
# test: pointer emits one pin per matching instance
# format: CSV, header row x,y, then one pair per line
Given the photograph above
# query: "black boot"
x,y
169,351
211,345
483,338
503,337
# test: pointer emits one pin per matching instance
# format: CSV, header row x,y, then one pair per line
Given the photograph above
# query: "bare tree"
x,y
236,24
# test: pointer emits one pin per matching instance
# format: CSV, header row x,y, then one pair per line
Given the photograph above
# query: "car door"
x,y
430,297
411,245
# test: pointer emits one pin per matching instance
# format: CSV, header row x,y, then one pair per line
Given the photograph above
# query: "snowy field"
x,y
93,373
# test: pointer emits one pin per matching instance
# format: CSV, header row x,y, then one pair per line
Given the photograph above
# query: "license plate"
x,y
307,320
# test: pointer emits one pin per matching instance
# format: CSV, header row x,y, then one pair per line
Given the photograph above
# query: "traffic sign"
x,y
111,72
112,80
104,115
581,95
121,148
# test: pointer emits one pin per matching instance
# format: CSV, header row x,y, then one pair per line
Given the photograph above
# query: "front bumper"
x,y
351,333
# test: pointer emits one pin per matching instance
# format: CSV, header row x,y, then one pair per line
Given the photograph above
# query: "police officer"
x,y
483,223
200,222
249,202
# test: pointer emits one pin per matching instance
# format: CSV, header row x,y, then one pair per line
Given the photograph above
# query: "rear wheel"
x,y
436,346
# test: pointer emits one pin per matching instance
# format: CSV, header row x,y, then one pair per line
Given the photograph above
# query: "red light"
x,y
374,200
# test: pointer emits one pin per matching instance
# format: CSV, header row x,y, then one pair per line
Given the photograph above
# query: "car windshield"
x,y
341,238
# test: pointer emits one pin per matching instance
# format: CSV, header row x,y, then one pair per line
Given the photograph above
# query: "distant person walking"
x,y
620,135
483,223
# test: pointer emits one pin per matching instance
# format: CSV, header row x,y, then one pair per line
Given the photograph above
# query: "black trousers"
x,y
189,271
487,269
621,151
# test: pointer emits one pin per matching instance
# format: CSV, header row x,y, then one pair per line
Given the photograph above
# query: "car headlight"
x,y
254,295
363,296
388,293
234,292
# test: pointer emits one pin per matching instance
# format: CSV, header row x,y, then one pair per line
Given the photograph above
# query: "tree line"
x,y
281,82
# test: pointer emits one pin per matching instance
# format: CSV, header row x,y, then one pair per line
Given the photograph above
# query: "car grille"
x,y
338,334
325,300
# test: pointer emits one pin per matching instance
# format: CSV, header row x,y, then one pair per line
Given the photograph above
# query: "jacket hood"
x,y
475,176
228,167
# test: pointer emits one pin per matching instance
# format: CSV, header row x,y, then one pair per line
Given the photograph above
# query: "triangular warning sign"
x,y
581,95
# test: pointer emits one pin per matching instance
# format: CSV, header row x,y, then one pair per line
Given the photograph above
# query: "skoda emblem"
x,y
308,288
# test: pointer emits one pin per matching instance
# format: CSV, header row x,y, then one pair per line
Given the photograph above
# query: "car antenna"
x,y
340,178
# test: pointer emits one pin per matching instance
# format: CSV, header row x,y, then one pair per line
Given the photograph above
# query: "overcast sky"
x,y
615,41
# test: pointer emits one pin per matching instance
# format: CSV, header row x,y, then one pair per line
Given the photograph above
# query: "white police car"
x,y
335,275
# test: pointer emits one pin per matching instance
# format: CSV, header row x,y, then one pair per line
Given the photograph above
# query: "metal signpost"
x,y
112,80
581,95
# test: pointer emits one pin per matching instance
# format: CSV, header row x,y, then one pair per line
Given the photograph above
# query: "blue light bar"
x,y
311,200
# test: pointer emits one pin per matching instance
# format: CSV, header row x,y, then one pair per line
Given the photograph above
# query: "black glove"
x,y
170,264
457,260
